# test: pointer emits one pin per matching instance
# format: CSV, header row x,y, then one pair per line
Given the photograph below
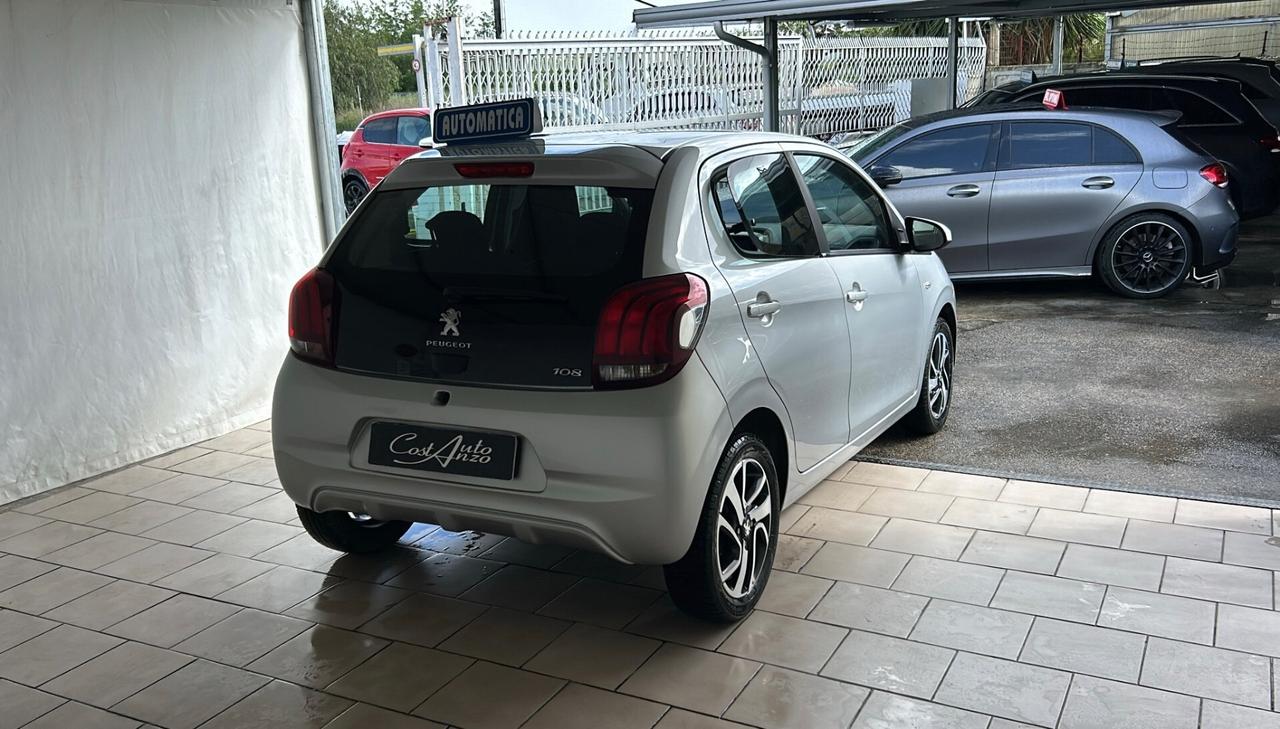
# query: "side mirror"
x,y
885,176
426,143
927,235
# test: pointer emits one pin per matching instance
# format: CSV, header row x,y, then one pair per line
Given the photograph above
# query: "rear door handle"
x,y
1098,183
964,191
762,309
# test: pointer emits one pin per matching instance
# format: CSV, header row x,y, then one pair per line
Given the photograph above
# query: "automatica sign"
x,y
486,122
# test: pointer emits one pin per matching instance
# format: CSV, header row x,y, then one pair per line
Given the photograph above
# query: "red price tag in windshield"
x,y
1053,99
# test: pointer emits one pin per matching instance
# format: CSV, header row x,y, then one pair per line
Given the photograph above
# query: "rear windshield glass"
x,y
525,231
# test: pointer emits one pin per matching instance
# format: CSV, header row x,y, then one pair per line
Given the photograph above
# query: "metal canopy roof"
x,y
878,11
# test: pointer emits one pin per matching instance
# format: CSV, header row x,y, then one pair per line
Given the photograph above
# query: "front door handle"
x,y
763,309
856,295
1098,183
964,191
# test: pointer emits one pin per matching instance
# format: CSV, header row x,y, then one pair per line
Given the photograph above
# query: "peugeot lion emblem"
x,y
450,319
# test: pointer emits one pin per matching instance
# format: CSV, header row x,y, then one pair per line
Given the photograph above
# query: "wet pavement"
x,y
1065,382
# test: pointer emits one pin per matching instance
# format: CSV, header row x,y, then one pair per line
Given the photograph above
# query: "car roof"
x,y
414,110
1124,76
1038,112
657,143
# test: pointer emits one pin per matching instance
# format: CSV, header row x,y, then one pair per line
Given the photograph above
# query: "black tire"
x,y
353,191
346,533
927,418
694,582
1145,256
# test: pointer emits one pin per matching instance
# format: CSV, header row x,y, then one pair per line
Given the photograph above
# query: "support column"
x,y
953,62
771,83
1059,40
323,124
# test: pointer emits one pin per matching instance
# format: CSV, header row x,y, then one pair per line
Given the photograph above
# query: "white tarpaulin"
x,y
158,198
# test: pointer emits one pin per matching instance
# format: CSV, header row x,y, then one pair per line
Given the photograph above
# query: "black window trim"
x,y
988,163
1006,139
722,171
823,243
1067,88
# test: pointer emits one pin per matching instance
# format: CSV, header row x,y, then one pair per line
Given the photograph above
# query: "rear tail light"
x,y
1271,144
1216,174
311,317
648,329
474,170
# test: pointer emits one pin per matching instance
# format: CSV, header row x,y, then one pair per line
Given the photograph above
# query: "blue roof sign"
x,y
500,120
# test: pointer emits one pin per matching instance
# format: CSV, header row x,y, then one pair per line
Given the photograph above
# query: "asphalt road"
x,y
1064,382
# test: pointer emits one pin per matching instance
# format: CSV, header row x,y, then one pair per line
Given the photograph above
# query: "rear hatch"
x,y
490,271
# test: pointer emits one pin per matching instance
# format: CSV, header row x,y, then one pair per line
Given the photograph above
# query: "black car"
x,y
1216,118
1259,79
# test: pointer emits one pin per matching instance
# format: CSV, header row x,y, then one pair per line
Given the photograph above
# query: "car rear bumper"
x,y
622,472
1218,229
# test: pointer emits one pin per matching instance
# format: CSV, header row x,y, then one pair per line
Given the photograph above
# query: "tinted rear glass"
x,y
1049,144
381,131
952,151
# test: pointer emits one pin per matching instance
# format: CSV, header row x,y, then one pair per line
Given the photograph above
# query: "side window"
x,y
850,212
763,209
1141,98
953,151
1047,144
381,131
1197,110
412,129
1109,149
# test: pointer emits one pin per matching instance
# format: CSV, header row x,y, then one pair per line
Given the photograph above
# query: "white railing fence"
x,y
828,86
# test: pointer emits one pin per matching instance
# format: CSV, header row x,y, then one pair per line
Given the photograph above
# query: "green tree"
x,y
361,79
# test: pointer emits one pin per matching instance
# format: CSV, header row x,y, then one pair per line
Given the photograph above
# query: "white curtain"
x,y
158,198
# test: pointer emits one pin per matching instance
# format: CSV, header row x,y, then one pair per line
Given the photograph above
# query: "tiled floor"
x,y
182,593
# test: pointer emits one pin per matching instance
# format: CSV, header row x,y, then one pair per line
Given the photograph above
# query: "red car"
x,y
377,146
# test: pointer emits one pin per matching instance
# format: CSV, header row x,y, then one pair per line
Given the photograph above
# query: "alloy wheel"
x,y
743,529
352,193
939,380
1149,257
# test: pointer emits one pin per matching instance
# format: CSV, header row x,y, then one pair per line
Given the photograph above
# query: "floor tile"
x,y
280,705
1217,715
377,567
279,588
606,604
538,556
464,544
1052,597
1151,613
917,537
993,516
154,562
117,674
870,608
851,563
792,514
364,716
1048,495
792,594
140,518
72,714
878,474
466,701
784,641
1251,550
50,590
214,575
892,664
1249,519
955,581
319,656
1072,526
1249,630
1220,582
1176,540
131,479
237,441
94,552
1002,688
242,638
1014,552
348,605
47,538
173,620
250,537
1084,649
22,704
794,552
445,574
212,464
963,484
189,529
666,622
691,679
16,570
400,677
972,628
776,697
1213,673
520,588
583,707
505,636
192,695
229,497
13,523
886,711
422,619
277,508
594,656
259,471
846,527
907,504
180,488
49,500
53,653
681,719
838,495
1095,702
18,627
173,458
1112,566
89,507
302,552
1133,506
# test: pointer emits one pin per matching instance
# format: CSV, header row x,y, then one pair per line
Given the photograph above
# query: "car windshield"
x,y
867,147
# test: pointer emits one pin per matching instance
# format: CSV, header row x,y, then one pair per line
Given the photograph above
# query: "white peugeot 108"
x,y
644,345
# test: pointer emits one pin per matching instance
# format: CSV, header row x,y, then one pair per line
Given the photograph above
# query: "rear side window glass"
x,y
1197,110
763,209
381,131
851,214
1140,98
410,130
952,151
1109,149
1048,144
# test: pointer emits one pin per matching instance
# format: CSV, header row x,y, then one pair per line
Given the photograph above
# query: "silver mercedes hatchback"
x,y
644,345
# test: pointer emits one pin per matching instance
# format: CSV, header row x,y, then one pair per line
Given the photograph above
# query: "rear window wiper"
x,y
462,293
